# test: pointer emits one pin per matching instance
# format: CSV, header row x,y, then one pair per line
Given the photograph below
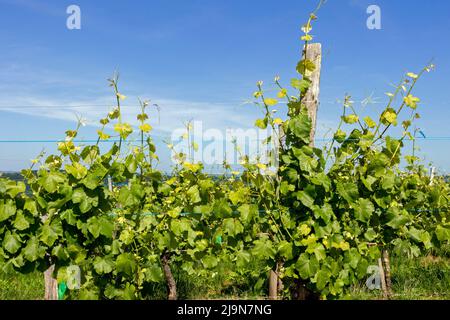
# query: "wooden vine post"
x,y
273,285
51,284
382,277
312,52
384,271
386,274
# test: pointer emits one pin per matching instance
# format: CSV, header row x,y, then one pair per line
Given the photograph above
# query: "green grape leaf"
x,y
307,265
11,242
125,263
364,209
103,265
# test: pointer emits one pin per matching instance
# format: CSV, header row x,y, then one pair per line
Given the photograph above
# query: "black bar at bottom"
x,y
220,309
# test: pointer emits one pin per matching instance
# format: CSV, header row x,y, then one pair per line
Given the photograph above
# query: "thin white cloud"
x,y
172,115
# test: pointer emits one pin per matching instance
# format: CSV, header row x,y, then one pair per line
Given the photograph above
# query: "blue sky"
x,y
200,59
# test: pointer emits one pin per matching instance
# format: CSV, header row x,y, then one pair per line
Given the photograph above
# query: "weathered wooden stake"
x,y
313,52
273,285
387,273
382,278
51,284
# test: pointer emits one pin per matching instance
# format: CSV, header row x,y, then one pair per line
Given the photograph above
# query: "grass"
x,y
423,278
426,277
16,286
